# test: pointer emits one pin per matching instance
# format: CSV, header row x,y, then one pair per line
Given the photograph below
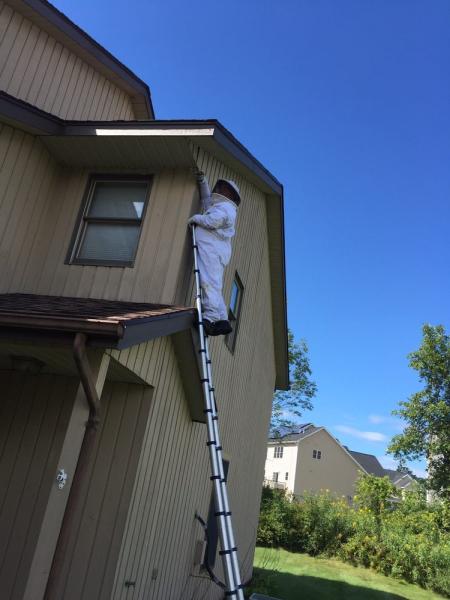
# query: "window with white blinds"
x,y
109,226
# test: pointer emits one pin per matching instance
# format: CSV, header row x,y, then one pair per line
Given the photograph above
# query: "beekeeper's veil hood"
x,y
233,185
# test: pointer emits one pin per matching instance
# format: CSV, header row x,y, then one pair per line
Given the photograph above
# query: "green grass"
x,y
291,576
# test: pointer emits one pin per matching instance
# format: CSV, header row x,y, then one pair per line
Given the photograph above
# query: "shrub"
x,y
408,539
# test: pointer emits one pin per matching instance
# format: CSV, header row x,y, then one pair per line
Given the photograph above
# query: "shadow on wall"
x,y
286,586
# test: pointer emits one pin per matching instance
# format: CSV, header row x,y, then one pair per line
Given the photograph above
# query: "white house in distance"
x,y
312,460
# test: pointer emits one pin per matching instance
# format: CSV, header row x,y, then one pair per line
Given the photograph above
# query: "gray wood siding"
x,y
91,558
173,474
36,68
34,411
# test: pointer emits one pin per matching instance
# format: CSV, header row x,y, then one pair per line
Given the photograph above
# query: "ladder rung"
x,y
230,551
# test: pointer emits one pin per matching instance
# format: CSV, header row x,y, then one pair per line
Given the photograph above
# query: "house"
x,y
311,460
402,481
103,457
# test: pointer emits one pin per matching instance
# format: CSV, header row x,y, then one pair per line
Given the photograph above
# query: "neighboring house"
x,y
402,481
310,461
96,291
313,460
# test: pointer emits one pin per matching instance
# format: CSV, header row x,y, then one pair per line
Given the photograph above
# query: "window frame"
x,y
275,476
83,220
230,338
278,451
286,477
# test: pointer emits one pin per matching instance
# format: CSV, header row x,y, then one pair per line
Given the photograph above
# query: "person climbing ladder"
x,y
214,233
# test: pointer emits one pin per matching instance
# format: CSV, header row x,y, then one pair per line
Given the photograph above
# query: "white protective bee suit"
x,y
214,232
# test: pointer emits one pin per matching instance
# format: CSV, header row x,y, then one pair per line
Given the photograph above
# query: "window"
x,y
278,452
213,533
234,311
275,477
317,454
286,477
314,453
110,222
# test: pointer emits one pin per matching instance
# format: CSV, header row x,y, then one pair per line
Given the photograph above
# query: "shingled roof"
x,y
369,462
108,323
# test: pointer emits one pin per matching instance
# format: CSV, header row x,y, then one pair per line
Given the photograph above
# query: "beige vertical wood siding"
x,y
89,567
39,203
173,474
36,68
34,411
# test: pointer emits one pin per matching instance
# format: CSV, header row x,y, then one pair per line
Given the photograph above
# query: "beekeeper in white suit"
x,y
214,232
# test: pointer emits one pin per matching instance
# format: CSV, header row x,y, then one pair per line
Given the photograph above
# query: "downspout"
x,y
54,582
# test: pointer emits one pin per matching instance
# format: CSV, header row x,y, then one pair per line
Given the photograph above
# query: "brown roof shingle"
x,y
116,324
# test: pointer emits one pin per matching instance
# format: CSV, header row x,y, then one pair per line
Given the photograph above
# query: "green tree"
x,y
289,405
375,493
427,413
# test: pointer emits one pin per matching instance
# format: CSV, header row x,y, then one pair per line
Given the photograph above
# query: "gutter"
x,y
87,447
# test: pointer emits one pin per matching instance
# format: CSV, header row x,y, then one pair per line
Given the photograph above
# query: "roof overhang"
x,y
153,146
31,317
54,22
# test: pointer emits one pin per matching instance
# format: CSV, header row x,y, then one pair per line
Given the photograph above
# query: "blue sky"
x,y
347,104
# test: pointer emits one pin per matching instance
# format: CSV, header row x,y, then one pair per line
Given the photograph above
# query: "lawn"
x,y
291,576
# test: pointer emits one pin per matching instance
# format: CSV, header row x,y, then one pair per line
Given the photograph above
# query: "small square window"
x,y
234,311
109,226
286,477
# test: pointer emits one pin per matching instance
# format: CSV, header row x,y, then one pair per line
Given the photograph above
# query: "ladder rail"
x,y
231,540
221,503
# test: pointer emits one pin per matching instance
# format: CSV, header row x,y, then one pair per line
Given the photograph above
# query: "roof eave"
x,y
101,335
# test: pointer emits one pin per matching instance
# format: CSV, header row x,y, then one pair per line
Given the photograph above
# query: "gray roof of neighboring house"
x,y
396,476
304,429
369,462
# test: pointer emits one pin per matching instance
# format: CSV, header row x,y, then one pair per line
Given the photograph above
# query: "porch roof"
x,y
107,323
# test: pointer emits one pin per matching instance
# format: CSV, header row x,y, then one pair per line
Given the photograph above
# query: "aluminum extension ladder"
x,y
228,550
